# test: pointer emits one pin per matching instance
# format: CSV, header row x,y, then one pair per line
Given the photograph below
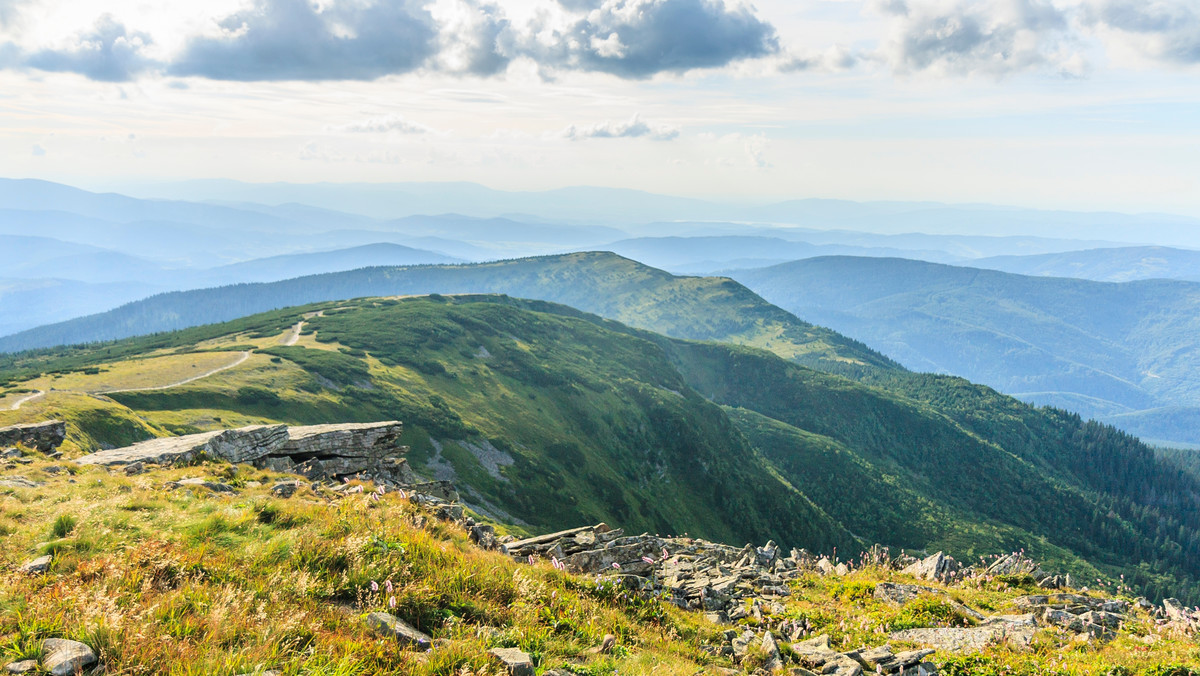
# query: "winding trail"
x,y
294,336
238,362
26,399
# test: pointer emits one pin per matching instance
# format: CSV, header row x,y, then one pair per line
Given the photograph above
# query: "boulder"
x,y
1015,630
37,566
935,568
771,651
285,489
22,667
515,661
386,624
348,440
62,657
18,482
44,436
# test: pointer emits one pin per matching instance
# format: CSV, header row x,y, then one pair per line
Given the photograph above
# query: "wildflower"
x,y
403,494
374,586
381,490
648,560
392,602
665,554
531,559
388,585
616,565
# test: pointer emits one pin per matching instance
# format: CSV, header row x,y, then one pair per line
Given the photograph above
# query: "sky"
x,y
1071,104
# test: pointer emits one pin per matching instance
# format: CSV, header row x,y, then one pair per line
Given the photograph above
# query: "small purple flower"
x,y
531,559
665,554
616,565
388,585
648,560
381,490
392,602
374,586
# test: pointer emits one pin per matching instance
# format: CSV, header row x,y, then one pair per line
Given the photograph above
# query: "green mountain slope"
x,y
700,308
552,417
1101,349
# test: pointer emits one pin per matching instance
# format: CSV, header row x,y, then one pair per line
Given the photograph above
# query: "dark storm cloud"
x,y
1172,26
295,40
107,53
641,38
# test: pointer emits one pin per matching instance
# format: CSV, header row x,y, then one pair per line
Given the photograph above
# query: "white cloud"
x,y
387,124
635,127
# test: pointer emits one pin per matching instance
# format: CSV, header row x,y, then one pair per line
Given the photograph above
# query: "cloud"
x,y
108,52
637,39
298,40
964,37
472,37
383,125
634,128
1165,30
836,58
38,150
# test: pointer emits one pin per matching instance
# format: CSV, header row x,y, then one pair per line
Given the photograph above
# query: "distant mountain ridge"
x,y
1104,265
1112,351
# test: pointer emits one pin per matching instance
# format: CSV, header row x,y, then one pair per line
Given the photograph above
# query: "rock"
x,y
901,594
608,644
62,657
771,650
18,482
515,661
484,536
244,444
350,440
22,667
37,566
935,568
386,624
1015,630
44,436
135,468
285,489
214,486
12,453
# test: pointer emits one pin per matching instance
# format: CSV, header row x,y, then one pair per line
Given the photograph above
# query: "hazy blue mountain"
x,y
26,303
1106,265
27,251
1102,349
630,207
97,266
707,254
297,265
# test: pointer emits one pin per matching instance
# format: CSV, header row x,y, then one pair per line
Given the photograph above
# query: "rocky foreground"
x,y
746,589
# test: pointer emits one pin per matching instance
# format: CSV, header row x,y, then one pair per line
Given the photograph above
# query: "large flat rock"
x,y
349,440
245,444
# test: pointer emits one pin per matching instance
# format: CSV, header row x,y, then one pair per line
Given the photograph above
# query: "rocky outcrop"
x,y
1096,617
44,436
515,661
935,568
816,654
319,452
386,624
1017,564
1014,630
245,444
1179,617
66,658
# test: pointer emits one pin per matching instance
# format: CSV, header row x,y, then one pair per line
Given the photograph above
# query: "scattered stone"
x,y
386,624
214,486
607,644
62,657
285,489
12,453
135,468
18,482
771,650
37,566
22,667
44,436
516,661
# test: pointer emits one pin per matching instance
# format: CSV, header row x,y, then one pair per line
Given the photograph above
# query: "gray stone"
x,y
515,661
22,667
285,489
244,444
386,624
12,453
935,568
62,657
1014,630
771,650
37,566
18,482
351,440
214,486
44,436
135,468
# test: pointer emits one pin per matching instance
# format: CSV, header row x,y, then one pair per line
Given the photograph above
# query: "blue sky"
x,y
1077,104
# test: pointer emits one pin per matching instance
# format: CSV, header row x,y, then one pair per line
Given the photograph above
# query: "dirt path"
x,y
240,360
294,336
26,399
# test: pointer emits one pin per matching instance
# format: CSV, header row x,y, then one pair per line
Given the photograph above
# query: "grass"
x,y
182,582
